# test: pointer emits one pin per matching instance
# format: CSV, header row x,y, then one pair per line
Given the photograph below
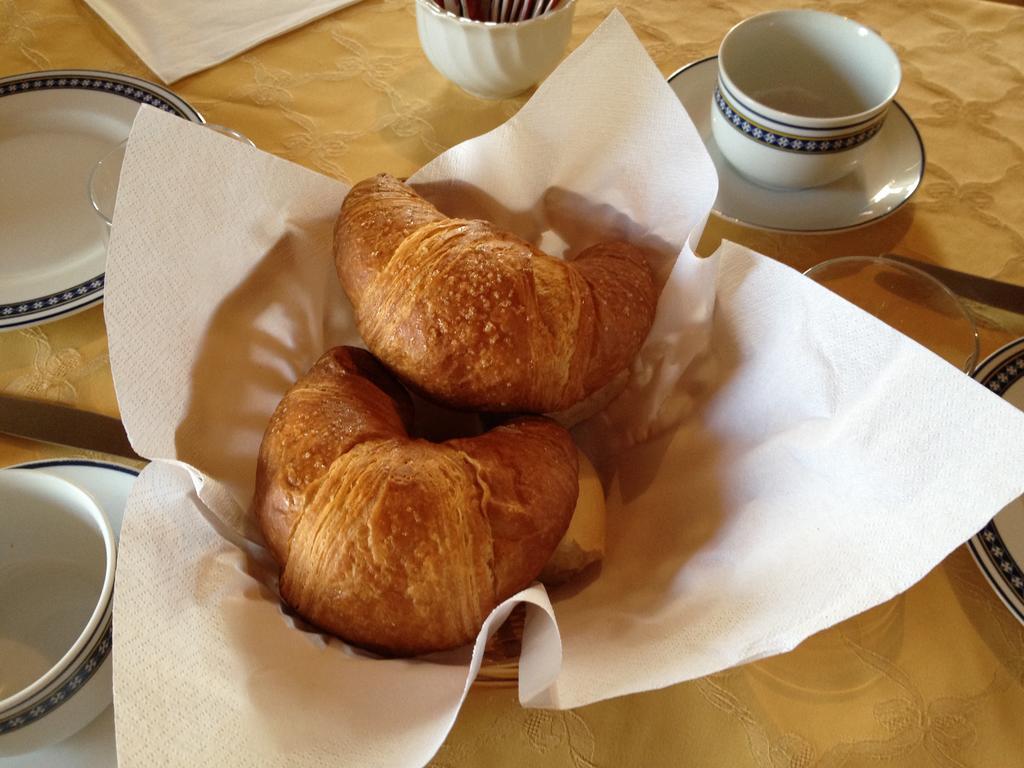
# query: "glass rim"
x,y
901,266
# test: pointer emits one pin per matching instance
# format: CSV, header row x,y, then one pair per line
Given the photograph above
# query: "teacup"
x,y
494,60
57,556
800,96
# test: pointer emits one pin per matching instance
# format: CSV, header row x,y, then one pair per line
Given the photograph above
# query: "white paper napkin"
x,y
778,462
179,38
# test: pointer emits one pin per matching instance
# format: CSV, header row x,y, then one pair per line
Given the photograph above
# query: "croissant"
x,y
479,319
398,544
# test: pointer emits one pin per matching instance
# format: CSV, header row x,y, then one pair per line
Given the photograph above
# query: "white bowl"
x,y
800,95
493,60
56,581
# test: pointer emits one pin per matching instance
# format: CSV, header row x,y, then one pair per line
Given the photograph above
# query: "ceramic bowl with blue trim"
x,y
57,557
800,96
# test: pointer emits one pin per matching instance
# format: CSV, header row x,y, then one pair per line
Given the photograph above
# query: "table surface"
x,y
934,677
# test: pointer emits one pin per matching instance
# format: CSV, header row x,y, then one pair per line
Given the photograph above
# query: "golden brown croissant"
x,y
478,318
394,543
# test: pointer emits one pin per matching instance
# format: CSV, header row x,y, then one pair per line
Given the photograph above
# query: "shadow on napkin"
x,y
243,368
649,544
563,224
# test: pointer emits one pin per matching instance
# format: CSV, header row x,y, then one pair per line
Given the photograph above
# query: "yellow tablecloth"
x,y
936,676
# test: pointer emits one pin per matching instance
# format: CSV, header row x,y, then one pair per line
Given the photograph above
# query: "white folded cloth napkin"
x,y
183,37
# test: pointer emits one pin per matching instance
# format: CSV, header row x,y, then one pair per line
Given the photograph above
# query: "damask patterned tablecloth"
x,y
934,677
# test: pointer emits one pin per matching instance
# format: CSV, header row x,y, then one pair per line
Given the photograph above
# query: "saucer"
x,y
54,126
999,547
890,173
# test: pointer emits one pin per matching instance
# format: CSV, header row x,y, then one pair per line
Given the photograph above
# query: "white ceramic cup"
x,y
57,557
493,60
800,95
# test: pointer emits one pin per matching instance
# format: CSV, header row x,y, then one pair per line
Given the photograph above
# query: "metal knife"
x,y
61,424
982,290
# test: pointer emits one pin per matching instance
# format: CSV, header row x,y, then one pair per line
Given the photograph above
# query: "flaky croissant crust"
x,y
479,319
394,543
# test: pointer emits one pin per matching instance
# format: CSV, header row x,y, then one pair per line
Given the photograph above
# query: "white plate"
x,y
999,546
93,746
890,174
54,126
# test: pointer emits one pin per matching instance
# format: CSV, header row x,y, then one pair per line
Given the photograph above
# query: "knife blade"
x,y
982,290
61,424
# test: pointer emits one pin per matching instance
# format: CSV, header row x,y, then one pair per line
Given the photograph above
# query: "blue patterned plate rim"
x,y
999,560
126,86
783,199
36,309
123,469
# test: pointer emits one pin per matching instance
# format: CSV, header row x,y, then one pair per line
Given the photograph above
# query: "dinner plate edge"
x,y
983,557
23,312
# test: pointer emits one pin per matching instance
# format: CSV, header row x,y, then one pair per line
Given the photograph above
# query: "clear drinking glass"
x,y
106,174
826,669
908,299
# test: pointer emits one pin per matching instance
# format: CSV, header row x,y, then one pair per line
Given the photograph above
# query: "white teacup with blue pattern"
x,y
57,559
800,95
